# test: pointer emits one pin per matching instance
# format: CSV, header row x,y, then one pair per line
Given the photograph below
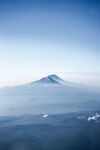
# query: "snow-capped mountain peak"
x,y
54,79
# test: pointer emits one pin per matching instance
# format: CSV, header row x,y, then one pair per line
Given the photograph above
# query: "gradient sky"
x,y
40,37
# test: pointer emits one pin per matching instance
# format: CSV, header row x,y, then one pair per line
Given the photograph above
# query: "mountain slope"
x,y
47,95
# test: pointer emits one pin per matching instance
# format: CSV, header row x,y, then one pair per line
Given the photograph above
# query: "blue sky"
x,y
40,37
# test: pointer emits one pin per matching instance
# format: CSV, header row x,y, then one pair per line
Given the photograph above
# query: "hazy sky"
x,y
40,37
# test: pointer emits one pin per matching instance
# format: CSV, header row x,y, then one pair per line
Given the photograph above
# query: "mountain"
x,y
53,79
50,79
49,95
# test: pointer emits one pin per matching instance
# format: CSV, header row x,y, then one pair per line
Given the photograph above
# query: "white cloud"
x,y
45,115
94,117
